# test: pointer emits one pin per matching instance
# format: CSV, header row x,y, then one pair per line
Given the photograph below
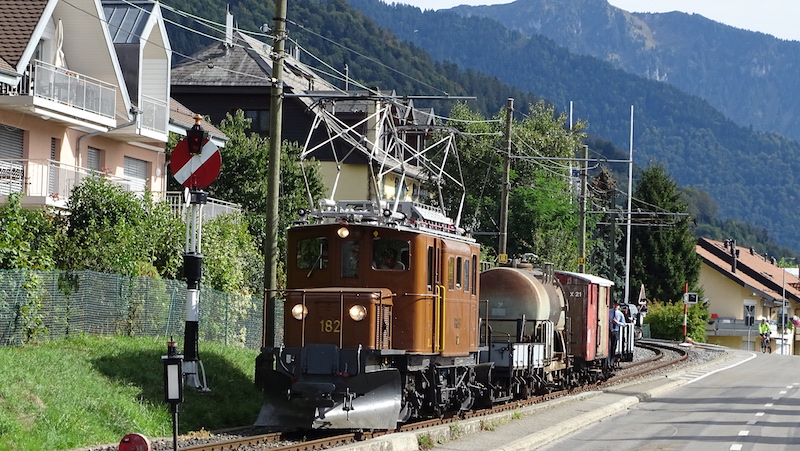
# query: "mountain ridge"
x,y
696,54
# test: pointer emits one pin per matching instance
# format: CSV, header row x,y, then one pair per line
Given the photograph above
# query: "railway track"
x,y
664,355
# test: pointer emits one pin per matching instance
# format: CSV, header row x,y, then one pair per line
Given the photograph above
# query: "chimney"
x,y
228,28
734,254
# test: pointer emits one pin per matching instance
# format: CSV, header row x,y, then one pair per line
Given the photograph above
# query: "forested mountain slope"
x,y
750,77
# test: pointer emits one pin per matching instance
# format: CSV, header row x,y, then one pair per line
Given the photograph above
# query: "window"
x,y
390,254
312,253
52,182
136,172
466,275
431,269
93,158
350,258
459,273
474,274
451,269
259,120
12,173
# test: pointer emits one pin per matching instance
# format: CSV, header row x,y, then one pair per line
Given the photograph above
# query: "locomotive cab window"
x,y
466,275
312,253
389,254
459,272
350,258
451,272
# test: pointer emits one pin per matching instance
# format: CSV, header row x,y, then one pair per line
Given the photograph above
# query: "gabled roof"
x,y
749,269
246,63
17,25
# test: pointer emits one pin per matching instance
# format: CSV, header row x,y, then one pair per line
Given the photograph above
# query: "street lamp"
x,y
173,385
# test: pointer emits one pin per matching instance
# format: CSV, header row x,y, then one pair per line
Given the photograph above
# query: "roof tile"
x,y
17,22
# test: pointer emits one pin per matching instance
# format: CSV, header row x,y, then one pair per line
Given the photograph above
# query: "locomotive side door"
x,y
438,291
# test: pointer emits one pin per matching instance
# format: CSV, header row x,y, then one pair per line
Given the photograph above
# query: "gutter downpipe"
x,y
134,111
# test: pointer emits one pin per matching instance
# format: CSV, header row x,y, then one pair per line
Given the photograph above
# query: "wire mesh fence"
x,y
57,304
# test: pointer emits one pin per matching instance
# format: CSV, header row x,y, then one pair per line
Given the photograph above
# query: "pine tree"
x,y
663,255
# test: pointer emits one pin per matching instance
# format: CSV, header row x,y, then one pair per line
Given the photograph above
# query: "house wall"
x,y
113,158
726,297
353,181
38,134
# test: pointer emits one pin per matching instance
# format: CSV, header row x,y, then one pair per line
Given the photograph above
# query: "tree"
x,y
666,321
27,237
607,237
542,213
663,251
117,231
232,261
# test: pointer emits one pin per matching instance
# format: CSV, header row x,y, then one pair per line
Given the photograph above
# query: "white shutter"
x,y
11,172
11,142
136,172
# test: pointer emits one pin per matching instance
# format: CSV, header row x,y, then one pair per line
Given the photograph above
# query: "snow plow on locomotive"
x,y
388,318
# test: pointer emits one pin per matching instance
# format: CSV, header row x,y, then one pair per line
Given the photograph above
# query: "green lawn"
x,y
83,391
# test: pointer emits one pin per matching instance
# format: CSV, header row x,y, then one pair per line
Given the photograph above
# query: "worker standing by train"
x,y
615,319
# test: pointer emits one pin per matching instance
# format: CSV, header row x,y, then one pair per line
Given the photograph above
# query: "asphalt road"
x,y
754,405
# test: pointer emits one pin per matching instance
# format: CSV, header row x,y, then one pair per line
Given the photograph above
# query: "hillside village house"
x,y
742,286
84,88
367,142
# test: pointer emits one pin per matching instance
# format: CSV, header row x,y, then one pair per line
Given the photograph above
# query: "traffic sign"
x,y
195,171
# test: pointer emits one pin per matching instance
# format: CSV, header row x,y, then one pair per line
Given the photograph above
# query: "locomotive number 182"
x,y
330,325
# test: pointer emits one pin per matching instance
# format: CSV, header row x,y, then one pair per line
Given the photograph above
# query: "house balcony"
x,y
49,183
64,95
154,115
212,209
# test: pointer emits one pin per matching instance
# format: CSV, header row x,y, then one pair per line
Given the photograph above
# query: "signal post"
x,y
195,163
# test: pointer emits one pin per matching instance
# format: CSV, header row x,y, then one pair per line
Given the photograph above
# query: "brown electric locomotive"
x,y
381,320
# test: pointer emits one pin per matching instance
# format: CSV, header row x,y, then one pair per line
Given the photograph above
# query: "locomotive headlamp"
x,y
358,312
299,311
343,232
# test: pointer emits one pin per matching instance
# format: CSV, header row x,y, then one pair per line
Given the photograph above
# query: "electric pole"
x,y
584,176
274,174
503,245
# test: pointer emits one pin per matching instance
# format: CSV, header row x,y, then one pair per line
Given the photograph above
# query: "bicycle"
x,y
766,345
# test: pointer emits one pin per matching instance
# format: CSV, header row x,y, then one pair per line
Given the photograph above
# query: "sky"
x,y
776,17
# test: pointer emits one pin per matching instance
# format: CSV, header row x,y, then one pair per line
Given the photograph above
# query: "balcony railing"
x,y
51,179
212,209
52,182
66,87
154,114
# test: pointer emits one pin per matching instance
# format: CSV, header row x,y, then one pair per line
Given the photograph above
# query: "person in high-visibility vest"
x,y
763,328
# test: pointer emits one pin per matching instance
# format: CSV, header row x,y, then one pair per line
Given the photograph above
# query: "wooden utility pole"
x,y
503,245
274,173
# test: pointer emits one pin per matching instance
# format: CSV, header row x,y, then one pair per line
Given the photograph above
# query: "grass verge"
x,y
83,391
